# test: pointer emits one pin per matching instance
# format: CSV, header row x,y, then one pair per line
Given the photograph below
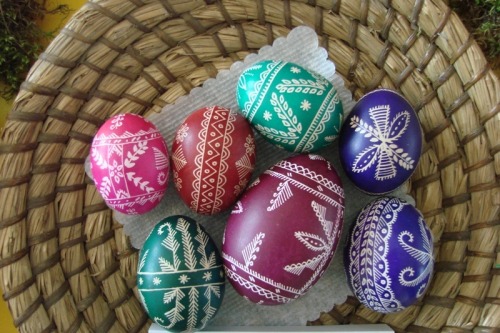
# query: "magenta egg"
x,y
130,164
284,230
213,156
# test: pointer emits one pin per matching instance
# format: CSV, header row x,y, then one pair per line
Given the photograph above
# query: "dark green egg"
x,y
180,277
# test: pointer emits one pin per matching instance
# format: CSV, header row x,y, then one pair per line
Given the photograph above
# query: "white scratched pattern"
x,y
301,47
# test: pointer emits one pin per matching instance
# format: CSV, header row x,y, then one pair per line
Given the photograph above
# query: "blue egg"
x,y
380,142
389,255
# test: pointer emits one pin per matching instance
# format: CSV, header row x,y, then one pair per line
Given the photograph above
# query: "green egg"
x,y
292,107
180,277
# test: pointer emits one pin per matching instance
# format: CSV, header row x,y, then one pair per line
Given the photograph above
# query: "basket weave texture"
x,y
66,265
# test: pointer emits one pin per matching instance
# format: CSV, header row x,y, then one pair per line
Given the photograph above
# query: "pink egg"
x,y
213,156
130,164
283,232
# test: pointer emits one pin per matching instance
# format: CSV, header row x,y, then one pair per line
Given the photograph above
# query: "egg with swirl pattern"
x,y
389,255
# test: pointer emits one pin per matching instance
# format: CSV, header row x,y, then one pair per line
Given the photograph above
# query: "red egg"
x,y
283,232
213,156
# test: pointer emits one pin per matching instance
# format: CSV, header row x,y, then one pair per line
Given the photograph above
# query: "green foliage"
x,y
482,18
20,40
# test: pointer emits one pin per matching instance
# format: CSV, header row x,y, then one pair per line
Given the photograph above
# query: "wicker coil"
x,y
66,265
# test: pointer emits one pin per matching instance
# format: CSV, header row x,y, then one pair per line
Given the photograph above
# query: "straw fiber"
x,y
65,265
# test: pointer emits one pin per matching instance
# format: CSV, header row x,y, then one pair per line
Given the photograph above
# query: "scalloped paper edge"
x,y
300,46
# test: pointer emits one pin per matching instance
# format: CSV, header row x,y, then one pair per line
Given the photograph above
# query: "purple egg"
x,y
380,142
389,255
283,232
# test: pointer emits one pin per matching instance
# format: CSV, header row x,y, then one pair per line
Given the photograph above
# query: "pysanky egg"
x,y
213,156
180,277
130,164
284,230
292,107
380,142
389,255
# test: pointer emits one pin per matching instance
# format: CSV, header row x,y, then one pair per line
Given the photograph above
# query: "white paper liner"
x,y
301,47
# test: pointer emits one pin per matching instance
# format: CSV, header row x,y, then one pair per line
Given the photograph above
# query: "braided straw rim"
x,y
66,265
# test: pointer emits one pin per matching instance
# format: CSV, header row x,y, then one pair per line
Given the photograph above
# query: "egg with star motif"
x,y
180,277
294,108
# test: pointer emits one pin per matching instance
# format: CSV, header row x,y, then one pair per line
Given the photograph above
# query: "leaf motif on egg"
x,y
282,194
424,256
285,113
315,243
249,252
138,150
289,105
180,281
100,161
301,86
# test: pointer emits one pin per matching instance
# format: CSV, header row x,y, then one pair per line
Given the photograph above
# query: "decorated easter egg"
x,y
283,232
213,156
130,164
380,142
292,107
180,277
389,255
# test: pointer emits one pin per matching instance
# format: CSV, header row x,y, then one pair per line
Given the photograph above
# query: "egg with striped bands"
x,y
213,156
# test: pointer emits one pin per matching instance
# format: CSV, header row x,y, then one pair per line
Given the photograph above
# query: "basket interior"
x,y
66,265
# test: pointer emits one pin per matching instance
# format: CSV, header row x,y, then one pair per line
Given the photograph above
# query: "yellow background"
x,y
51,23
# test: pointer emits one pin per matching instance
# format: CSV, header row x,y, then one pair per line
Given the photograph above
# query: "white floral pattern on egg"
x,y
389,255
130,164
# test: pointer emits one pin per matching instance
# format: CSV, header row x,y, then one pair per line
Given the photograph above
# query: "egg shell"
x,y
130,164
389,255
380,142
213,156
180,277
292,107
283,232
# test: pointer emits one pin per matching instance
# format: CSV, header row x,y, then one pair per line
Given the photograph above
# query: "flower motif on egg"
x,y
267,115
384,151
305,105
380,142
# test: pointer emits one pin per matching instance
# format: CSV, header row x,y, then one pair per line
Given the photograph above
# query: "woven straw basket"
x,y
65,265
